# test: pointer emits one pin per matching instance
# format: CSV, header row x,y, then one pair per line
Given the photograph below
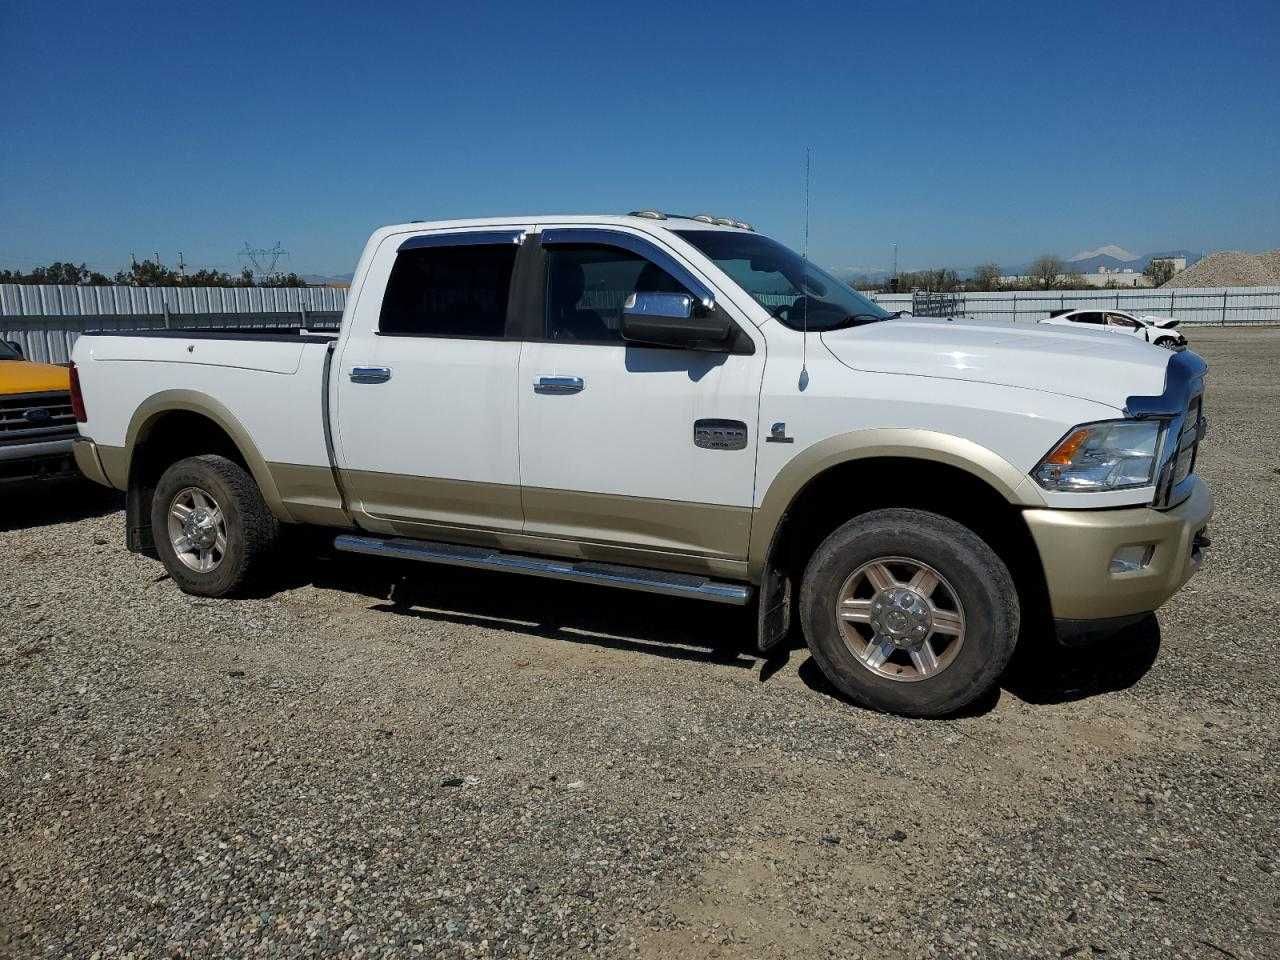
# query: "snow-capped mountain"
x,y
1111,250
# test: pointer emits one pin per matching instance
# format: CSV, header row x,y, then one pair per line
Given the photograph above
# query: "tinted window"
x,y
449,291
8,353
1087,318
587,286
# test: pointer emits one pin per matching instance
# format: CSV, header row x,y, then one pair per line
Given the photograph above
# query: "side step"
x,y
579,571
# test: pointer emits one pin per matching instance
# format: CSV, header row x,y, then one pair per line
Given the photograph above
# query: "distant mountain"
x,y
874,274
319,280
1108,258
1110,250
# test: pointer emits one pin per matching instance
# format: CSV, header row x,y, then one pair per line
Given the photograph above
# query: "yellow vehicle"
x,y
37,422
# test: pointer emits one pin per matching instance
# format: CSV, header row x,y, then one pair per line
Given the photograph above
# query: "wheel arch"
x,y
174,424
840,478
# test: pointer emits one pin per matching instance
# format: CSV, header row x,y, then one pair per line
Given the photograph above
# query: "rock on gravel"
x,y
494,767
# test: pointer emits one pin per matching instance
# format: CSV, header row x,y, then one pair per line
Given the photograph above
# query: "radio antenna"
x,y
804,271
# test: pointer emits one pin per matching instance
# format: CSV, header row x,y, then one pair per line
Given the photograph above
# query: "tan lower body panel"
x,y
115,464
431,500
85,452
707,529
310,494
663,534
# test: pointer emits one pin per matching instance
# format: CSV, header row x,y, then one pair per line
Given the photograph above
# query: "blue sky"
x,y
963,132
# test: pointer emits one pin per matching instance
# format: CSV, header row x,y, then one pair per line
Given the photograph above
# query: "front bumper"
x,y
27,461
1077,547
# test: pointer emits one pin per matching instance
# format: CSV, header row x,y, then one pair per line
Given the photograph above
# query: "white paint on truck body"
x,y
465,410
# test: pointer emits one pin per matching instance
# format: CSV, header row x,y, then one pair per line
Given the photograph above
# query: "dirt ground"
x,y
386,761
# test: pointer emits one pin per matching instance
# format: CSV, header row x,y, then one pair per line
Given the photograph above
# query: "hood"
x,y
22,376
1164,323
1087,364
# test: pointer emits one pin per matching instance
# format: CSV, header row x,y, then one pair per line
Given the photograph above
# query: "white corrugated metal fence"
x,y
46,319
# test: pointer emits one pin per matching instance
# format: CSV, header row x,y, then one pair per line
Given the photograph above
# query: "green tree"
x,y
56,272
148,273
1159,272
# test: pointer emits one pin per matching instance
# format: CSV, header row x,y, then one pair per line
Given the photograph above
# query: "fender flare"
x,y
191,401
973,458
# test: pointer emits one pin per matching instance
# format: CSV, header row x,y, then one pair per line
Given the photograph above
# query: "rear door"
x,y
426,431
636,453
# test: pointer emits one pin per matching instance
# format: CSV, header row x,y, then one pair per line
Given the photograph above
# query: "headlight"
x,y
1112,455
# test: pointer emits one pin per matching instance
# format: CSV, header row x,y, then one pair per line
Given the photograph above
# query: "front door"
x,y
426,431
646,453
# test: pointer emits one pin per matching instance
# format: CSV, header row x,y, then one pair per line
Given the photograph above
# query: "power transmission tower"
x,y
262,261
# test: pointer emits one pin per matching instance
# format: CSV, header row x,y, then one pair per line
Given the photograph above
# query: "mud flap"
x,y
773,610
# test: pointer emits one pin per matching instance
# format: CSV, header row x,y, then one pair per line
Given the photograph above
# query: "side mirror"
x,y
667,320
15,346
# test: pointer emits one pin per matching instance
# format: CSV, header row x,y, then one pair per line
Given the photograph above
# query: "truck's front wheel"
x,y
909,612
211,527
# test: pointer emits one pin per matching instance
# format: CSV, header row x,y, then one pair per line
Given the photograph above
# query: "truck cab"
x,y
680,405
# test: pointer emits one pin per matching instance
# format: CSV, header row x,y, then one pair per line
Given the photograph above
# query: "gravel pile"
x,y
1231,268
361,765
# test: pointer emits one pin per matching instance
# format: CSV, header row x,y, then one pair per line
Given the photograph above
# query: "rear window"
x,y
449,292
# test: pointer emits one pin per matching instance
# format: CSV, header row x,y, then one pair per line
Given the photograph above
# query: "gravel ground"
x,y
474,765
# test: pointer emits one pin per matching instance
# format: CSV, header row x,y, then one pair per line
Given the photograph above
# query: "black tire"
x,y
978,577
1169,343
252,533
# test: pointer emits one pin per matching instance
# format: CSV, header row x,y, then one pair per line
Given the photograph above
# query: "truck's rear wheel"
x,y
211,527
909,612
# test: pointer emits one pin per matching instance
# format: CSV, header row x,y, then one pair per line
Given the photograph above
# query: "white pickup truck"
x,y
677,405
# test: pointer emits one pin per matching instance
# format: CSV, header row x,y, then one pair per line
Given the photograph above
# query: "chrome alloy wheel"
x,y
900,618
197,529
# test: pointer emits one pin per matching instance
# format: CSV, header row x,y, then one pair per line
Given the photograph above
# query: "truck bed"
x,y
266,389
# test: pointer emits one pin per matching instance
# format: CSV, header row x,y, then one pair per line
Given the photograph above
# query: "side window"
x,y
449,291
1116,320
1087,317
587,285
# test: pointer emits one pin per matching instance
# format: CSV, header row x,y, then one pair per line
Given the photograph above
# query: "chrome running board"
x,y
578,571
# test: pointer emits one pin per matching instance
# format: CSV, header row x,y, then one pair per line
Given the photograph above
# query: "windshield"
x,y
8,353
783,283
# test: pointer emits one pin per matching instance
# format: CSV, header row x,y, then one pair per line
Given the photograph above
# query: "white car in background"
x,y
1157,330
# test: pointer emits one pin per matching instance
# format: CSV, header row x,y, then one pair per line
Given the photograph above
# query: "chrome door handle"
x,y
558,385
370,374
